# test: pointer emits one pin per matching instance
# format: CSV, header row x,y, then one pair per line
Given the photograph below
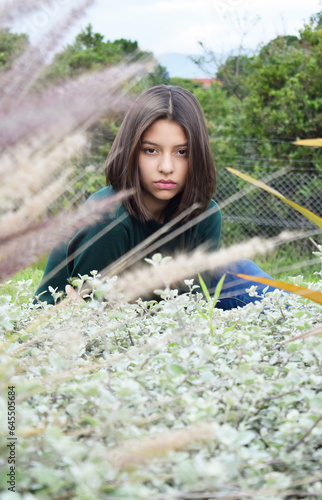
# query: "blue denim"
x,y
233,292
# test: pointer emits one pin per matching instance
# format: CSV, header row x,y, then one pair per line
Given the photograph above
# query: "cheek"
x,y
143,173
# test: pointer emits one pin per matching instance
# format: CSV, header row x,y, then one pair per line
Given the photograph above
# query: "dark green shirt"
x,y
124,236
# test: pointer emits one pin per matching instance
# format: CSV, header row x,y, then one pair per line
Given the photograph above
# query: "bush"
x,y
141,400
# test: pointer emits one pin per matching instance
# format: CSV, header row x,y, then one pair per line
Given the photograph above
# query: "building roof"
x,y
206,82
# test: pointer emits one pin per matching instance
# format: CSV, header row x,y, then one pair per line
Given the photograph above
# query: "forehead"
x,y
164,130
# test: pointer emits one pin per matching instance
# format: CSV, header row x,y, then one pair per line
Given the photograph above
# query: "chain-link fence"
x,y
246,211
249,212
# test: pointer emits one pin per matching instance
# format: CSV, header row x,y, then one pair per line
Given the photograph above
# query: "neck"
x,y
155,207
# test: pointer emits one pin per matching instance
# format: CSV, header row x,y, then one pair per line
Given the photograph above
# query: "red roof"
x,y
206,82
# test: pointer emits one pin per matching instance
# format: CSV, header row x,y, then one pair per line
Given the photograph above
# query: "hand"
x,y
71,292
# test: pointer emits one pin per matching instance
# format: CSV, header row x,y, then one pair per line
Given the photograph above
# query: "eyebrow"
x,y
155,144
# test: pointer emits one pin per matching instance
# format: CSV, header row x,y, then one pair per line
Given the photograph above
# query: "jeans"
x,y
233,292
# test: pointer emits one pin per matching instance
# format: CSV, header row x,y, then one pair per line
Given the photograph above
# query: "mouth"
x,y
164,184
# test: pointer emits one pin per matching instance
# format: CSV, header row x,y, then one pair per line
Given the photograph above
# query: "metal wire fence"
x,y
260,213
246,211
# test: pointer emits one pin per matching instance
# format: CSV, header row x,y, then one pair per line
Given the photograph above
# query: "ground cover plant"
x,y
162,398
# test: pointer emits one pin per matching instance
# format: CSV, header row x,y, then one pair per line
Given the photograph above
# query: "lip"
x,y
164,184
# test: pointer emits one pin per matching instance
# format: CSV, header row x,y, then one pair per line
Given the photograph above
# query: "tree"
x,y
90,52
278,99
11,46
284,100
232,75
186,83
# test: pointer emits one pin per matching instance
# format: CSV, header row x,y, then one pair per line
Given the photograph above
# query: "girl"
x,y
162,150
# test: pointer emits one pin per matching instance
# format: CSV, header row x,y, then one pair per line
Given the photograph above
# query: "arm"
x,y
208,233
57,257
97,247
209,229
93,248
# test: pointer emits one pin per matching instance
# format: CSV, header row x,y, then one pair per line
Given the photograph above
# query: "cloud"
x,y
177,25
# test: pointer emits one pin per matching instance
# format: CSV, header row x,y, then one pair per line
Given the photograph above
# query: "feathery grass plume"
x,y
40,130
26,168
11,10
14,222
71,106
21,249
146,279
136,452
149,244
27,68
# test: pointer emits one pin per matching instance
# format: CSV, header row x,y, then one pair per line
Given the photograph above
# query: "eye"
x,y
183,152
150,151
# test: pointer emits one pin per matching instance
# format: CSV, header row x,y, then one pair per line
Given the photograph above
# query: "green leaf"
x,y
172,345
218,290
176,370
203,315
204,288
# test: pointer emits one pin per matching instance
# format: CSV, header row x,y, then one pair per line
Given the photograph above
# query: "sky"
x,y
164,26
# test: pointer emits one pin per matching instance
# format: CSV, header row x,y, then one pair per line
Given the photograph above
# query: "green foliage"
x,y
90,52
232,75
11,46
284,262
141,401
23,283
212,301
265,103
186,83
285,98
268,100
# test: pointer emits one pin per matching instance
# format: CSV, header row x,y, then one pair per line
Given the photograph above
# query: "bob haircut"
x,y
122,170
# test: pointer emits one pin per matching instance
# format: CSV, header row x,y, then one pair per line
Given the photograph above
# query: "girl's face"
x,y
163,164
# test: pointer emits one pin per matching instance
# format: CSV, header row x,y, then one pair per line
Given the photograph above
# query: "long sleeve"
x,y
55,278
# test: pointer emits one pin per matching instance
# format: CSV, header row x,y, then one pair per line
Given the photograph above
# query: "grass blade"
x,y
204,289
218,290
315,331
304,211
309,142
298,290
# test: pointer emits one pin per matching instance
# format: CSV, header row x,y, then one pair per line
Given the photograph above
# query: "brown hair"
x,y
122,172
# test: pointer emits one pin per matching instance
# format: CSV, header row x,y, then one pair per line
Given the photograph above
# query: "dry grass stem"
x,y
28,167
43,115
15,222
84,247
12,10
18,80
146,279
251,187
136,452
315,331
22,249
139,251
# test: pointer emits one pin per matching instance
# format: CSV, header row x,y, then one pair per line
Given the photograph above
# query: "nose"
x,y
166,164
